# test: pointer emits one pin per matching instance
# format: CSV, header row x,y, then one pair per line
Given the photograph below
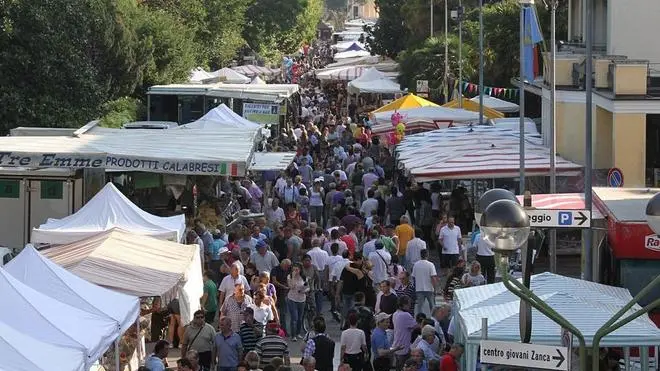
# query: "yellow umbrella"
x,y
474,107
407,101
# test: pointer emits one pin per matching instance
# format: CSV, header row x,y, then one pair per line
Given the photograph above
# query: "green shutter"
x,y
52,189
10,188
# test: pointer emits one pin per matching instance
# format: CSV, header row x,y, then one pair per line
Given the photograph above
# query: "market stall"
x,y
407,101
136,265
220,116
373,81
251,70
106,210
427,114
568,296
498,104
228,75
470,105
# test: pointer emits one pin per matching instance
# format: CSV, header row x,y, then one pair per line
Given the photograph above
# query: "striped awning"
x,y
475,153
252,70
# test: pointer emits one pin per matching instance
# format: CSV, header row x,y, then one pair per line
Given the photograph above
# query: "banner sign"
x,y
122,163
262,113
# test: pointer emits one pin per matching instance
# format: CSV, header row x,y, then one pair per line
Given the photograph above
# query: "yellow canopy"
x,y
474,107
407,101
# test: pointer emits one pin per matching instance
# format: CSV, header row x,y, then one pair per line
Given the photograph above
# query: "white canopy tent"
x,y
220,116
351,54
371,59
230,76
257,81
31,312
250,70
21,352
106,210
587,305
198,75
136,265
373,81
498,104
349,73
341,46
34,270
428,114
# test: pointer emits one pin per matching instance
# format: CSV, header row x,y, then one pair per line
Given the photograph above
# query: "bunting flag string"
x,y
506,93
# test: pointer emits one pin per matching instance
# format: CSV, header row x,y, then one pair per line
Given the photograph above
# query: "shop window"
x,y
52,190
10,188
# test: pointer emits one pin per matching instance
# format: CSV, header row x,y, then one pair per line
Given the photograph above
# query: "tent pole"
x,y
117,363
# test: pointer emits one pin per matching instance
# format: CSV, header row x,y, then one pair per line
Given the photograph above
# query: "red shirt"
x,y
448,363
350,244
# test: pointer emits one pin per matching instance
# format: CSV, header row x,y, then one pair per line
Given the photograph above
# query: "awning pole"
x,y
117,363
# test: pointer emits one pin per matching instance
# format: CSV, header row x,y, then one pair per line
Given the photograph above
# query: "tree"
x,y
427,62
389,36
61,59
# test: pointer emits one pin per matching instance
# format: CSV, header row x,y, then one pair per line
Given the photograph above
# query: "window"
x,y
52,189
9,188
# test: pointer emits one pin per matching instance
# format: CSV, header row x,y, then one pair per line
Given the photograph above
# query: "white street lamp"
x,y
488,198
653,213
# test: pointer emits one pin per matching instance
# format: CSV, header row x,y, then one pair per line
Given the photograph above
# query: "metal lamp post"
x,y
653,219
505,227
481,62
523,4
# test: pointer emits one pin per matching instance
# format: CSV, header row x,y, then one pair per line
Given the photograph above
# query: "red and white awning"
x,y
561,201
386,128
479,152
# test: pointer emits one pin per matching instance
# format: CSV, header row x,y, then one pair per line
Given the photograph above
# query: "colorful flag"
x,y
532,38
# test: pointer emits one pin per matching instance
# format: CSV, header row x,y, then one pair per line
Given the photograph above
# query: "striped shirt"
x,y
250,335
271,346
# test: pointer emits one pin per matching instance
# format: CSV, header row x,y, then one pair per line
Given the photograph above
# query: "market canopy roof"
x,y
250,70
370,59
267,161
474,107
498,104
220,116
257,81
407,101
346,45
351,54
230,76
475,152
157,151
20,351
34,270
136,265
28,311
106,210
198,75
587,305
428,114
373,81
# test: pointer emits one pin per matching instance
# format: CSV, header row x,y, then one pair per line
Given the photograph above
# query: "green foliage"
x,y
117,112
389,36
427,62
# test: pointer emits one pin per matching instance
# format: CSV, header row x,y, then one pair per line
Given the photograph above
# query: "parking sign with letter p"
x,y
565,218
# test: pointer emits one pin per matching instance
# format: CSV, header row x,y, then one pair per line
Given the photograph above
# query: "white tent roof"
x,y
498,104
341,46
475,152
371,59
218,117
198,75
136,265
106,210
31,312
230,76
351,54
21,352
257,81
50,279
266,161
587,305
429,114
373,81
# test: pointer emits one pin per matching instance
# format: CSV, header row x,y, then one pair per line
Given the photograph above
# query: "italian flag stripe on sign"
x,y
223,169
234,169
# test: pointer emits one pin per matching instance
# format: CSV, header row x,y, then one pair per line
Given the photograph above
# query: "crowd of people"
x,y
340,228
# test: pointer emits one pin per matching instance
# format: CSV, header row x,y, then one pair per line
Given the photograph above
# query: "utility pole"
x,y
523,4
447,48
553,131
460,53
481,62
432,18
587,235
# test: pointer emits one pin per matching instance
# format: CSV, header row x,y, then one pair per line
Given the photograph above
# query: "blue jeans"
x,y
318,301
429,296
296,312
347,303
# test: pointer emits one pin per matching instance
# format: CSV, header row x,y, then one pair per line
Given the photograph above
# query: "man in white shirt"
x,y
336,264
426,279
275,214
334,238
450,239
319,256
414,249
486,258
369,205
226,287
264,259
380,260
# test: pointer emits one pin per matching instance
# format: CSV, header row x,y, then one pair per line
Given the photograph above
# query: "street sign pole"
x,y
524,355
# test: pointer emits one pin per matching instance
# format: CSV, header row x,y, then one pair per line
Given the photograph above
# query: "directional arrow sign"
x,y
524,355
559,218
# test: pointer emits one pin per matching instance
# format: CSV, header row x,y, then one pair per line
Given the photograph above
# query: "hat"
x,y
381,317
261,244
223,250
